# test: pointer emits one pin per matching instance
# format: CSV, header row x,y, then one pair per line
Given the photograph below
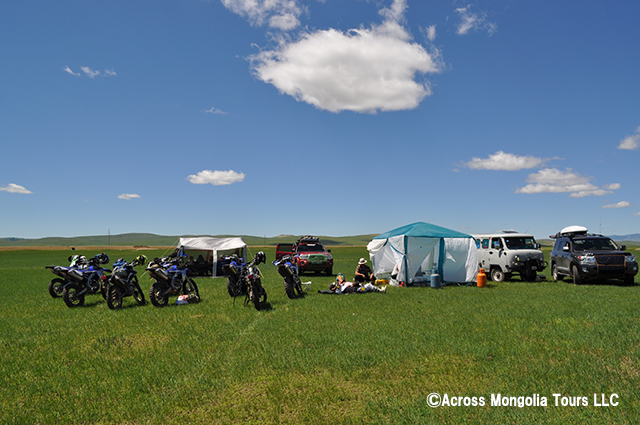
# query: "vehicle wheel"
x,y
297,284
329,271
233,288
629,280
114,297
528,276
289,287
577,280
156,297
254,298
191,290
138,295
55,287
71,297
497,275
554,273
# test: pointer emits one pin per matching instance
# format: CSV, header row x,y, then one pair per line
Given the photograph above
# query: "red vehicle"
x,y
308,254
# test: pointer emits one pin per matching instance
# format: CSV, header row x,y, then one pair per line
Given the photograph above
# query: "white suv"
x,y
502,254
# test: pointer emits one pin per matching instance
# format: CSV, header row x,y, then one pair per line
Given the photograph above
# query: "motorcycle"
x,y
289,272
124,282
234,267
171,278
56,286
87,280
253,281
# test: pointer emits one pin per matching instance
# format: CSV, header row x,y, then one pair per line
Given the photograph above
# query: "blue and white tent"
x,y
414,250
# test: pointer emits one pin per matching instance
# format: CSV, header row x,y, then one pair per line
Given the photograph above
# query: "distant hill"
x,y
150,239
635,237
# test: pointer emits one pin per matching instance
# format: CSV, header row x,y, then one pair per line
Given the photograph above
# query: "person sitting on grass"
x,y
364,272
343,287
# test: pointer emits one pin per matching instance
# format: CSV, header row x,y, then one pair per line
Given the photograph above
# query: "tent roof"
x,y
209,243
423,229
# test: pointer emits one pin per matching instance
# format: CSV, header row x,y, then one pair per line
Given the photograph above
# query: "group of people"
x,y
363,281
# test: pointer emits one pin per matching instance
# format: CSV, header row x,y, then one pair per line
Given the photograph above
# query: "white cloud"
x,y
92,74
216,178
128,196
621,204
471,21
505,161
89,72
15,188
552,180
68,70
638,213
632,142
431,33
279,14
213,110
361,70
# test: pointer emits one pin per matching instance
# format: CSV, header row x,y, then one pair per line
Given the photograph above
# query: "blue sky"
x,y
334,117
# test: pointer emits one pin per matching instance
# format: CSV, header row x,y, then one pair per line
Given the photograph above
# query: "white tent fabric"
x,y
417,248
218,246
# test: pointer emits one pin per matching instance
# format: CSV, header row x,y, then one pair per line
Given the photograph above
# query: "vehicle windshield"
x,y
310,248
520,242
596,244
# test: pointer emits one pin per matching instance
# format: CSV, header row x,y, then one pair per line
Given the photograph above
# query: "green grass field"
x,y
361,358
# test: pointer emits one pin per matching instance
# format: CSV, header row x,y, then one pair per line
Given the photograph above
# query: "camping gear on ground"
x,y
170,278
415,248
206,253
85,281
124,282
289,272
482,279
435,279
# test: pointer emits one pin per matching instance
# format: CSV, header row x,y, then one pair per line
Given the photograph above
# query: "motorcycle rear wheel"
x,y
156,295
71,297
56,286
233,287
114,297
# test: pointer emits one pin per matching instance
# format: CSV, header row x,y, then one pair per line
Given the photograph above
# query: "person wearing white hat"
x,y
364,273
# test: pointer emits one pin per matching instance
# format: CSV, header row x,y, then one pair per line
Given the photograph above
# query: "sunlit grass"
x,y
362,358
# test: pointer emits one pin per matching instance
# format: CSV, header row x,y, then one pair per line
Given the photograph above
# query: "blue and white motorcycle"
x,y
124,282
171,278
85,281
289,271
57,284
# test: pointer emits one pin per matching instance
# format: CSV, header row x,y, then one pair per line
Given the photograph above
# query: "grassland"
x,y
370,358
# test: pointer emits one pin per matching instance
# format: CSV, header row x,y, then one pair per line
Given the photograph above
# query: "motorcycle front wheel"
x,y
56,286
138,295
289,289
298,284
114,297
190,289
71,296
156,295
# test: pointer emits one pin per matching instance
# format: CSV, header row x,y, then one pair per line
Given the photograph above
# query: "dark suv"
x,y
583,256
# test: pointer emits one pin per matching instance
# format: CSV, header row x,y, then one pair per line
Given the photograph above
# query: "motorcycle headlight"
x,y
630,258
587,259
